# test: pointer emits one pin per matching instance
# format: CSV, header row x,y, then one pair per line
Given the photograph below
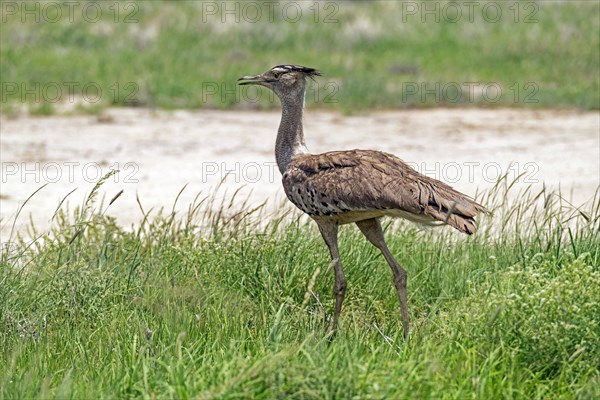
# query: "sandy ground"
x,y
160,152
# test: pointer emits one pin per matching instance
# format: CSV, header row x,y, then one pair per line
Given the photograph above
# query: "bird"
x,y
355,186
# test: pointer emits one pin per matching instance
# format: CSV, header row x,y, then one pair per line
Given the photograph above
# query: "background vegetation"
x,y
222,305
188,54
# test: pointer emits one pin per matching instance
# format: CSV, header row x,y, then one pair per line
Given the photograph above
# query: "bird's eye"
x,y
278,73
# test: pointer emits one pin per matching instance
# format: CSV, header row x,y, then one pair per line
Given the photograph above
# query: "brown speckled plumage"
x,y
355,186
359,184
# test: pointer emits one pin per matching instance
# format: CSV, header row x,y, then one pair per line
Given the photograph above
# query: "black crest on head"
x,y
298,68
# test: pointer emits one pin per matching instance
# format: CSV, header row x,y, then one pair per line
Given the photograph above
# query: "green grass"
x,y
181,56
217,304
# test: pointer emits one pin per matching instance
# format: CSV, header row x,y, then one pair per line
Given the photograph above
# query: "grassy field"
x,y
378,55
221,305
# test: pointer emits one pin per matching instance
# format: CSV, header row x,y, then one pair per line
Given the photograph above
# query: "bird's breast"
x,y
311,199
312,202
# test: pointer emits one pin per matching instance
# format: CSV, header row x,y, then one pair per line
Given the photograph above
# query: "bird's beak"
x,y
252,80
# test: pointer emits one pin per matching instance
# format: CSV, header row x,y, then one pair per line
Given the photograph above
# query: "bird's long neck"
x,y
290,136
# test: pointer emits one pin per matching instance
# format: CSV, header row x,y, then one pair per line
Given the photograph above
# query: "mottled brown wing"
x,y
365,180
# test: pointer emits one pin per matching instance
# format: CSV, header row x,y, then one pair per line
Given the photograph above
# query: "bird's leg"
x,y
329,231
371,228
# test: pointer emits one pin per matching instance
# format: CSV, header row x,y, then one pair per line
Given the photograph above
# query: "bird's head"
x,y
284,80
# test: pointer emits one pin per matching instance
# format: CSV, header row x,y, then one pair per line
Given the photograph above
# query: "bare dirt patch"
x,y
159,152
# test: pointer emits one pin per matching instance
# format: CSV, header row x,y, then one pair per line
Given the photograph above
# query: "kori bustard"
x,y
355,186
